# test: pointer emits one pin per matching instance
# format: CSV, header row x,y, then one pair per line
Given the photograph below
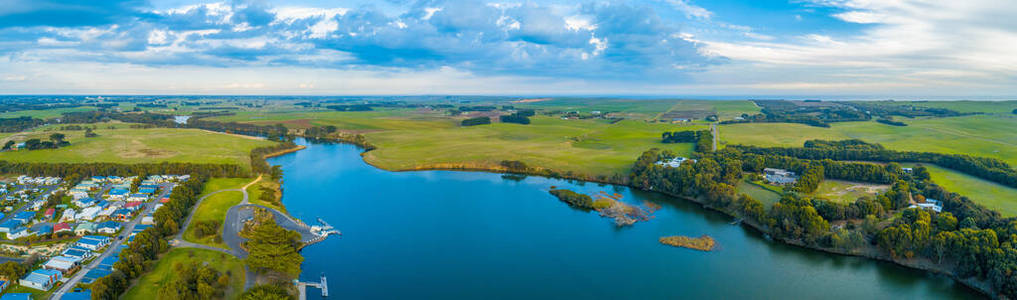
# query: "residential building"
x,y
61,227
85,228
779,176
18,233
61,263
68,215
41,279
109,227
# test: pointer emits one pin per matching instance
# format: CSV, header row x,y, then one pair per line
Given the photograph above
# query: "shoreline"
x,y
283,152
980,286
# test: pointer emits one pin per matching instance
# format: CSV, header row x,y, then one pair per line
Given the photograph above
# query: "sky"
x,y
763,48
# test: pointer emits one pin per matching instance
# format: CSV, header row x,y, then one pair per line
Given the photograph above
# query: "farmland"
x,y
129,145
993,195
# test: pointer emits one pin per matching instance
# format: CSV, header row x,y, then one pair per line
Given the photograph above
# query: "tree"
x,y
266,292
57,137
273,248
8,145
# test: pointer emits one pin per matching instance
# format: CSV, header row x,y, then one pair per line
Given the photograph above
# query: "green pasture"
x,y
126,145
995,196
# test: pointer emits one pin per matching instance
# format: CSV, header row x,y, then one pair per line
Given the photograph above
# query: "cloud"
x,y
67,13
691,10
593,40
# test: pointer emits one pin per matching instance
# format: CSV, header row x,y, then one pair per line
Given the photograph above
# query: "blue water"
x,y
446,234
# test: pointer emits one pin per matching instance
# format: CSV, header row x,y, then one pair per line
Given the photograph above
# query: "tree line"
x,y
476,121
991,169
965,237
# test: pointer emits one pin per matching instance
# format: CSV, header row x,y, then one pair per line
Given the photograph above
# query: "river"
x,y
449,234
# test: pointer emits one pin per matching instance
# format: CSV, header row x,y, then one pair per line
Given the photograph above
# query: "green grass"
x,y
45,113
213,208
990,194
219,183
998,107
980,135
382,119
846,191
766,196
584,146
36,294
147,287
140,146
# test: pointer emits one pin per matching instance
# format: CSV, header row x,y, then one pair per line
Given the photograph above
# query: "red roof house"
x,y
49,212
58,227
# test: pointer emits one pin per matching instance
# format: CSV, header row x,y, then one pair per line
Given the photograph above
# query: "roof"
x,y
89,242
24,215
109,224
85,226
85,295
17,296
11,224
76,252
59,264
61,226
132,204
96,237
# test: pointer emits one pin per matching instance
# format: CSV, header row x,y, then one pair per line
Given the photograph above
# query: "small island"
x,y
702,243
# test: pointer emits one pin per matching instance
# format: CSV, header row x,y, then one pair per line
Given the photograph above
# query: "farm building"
x,y
779,176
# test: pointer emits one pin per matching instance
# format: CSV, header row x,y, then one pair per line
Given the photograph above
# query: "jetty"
x,y
302,287
320,233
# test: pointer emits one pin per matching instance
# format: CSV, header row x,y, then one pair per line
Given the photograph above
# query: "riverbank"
x,y
282,152
869,252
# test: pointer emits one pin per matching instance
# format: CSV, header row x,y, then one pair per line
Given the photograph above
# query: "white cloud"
x,y
691,10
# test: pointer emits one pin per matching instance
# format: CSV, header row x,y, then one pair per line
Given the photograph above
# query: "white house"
x,y
88,213
68,215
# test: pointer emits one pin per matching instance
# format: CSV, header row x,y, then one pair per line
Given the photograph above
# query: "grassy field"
x,y
46,113
584,146
213,208
766,196
995,107
846,191
216,184
980,135
147,287
383,119
993,195
127,145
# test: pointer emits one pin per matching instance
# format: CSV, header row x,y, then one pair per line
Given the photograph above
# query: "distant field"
x,y
140,146
846,191
1004,107
981,135
46,113
583,146
147,286
365,121
993,195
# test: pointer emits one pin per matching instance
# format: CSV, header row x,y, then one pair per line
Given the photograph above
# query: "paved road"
x,y
125,231
716,135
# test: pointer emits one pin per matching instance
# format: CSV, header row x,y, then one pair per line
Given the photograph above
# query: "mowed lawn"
x,y
766,196
126,145
591,147
147,287
979,135
993,195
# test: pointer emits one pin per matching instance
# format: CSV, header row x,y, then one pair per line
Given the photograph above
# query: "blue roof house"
x,y
41,279
9,225
108,227
24,216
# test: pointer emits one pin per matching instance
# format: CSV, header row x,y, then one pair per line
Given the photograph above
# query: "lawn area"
x,y
766,196
218,183
147,287
592,147
999,107
993,195
126,145
36,294
846,191
979,135
212,208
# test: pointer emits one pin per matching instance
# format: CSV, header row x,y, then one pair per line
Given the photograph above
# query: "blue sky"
x,y
797,48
